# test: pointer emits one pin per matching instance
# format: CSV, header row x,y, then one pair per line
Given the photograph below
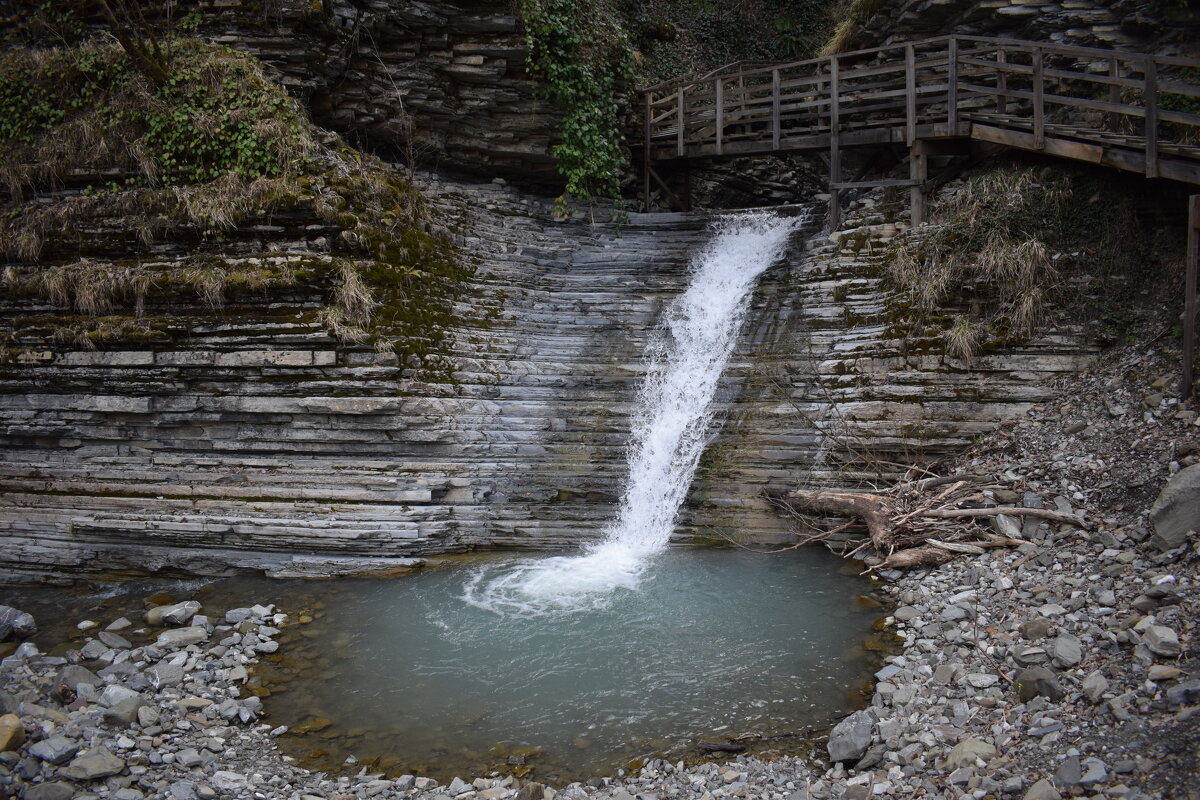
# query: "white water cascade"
x,y
671,422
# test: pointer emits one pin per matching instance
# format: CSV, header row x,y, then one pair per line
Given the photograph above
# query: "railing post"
x,y
1151,93
682,118
1039,107
918,163
910,94
1001,81
952,87
775,100
646,155
720,111
835,155
1186,383
1114,92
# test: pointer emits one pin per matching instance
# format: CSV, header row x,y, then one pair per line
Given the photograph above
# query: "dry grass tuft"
x,y
982,250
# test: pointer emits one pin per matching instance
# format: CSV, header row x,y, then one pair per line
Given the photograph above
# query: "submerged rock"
x,y
15,623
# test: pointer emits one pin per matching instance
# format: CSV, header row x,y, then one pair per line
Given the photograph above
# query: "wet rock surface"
x,y
254,440
1065,667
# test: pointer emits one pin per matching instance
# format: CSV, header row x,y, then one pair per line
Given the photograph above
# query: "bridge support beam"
x,y
918,172
1187,383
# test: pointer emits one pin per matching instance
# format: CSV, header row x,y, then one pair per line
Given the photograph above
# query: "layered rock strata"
x,y
248,437
437,83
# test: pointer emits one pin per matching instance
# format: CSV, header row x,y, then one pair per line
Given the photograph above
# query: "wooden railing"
x,y
941,87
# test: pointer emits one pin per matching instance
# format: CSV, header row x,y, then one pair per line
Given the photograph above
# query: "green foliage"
x,y
215,115
583,57
215,146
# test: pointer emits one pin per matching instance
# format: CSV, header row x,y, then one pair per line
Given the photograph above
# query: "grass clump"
x,y
1003,247
87,109
193,159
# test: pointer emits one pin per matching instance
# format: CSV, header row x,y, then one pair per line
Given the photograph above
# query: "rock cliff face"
x,y
1124,24
249,438
443,83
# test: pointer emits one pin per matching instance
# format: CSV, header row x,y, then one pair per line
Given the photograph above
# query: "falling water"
x,y
671,423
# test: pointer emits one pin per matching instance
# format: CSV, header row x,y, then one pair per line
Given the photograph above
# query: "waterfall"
x,y
671,422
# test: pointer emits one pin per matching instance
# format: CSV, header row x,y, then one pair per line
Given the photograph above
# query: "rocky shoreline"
x,y
1065,667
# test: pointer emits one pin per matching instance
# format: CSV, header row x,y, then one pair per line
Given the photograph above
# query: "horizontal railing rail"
x,y
1133,100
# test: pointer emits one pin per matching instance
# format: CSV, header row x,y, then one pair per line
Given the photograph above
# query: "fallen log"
x,y
872,509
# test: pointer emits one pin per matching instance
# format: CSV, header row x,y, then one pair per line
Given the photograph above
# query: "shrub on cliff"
x,y
213,145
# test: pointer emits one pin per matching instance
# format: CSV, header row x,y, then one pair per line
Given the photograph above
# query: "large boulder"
x,y
1176,512
851,737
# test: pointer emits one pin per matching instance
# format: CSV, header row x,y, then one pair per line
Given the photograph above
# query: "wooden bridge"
x,y
1132,111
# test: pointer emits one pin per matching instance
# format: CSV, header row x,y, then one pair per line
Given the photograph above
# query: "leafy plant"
x,y
583,57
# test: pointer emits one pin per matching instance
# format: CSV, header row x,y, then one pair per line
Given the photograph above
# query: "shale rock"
x,y
1176,512
12,732
15,624
851,737
1037,682
99,762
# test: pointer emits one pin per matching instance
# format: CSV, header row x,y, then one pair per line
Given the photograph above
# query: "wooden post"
x,y
775,132
917,171
910,94
1114,92
687,187
1039,107
1001,81
720,111
1151,90
1189,297
952,87
835,155
682,118
646,155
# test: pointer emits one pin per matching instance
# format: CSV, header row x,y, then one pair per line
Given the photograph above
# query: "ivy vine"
x,y
583,57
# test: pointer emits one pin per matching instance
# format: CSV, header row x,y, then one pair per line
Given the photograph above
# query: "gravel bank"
x,y
1065,667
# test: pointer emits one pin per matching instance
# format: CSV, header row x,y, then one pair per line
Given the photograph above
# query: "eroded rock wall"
x,y
442,84
248,437
1124,24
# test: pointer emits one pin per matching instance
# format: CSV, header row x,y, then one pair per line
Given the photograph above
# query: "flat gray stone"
x,y
965,753
850,738
181,637
55,750
1176,512
1162,641
99,762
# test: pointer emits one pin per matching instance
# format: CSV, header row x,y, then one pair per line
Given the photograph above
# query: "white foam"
x,y
671,424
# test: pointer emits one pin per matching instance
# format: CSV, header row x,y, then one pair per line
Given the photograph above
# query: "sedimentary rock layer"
x,y
248,437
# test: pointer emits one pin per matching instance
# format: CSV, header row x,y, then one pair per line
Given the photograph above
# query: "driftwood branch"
x,y
915,522
995,511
